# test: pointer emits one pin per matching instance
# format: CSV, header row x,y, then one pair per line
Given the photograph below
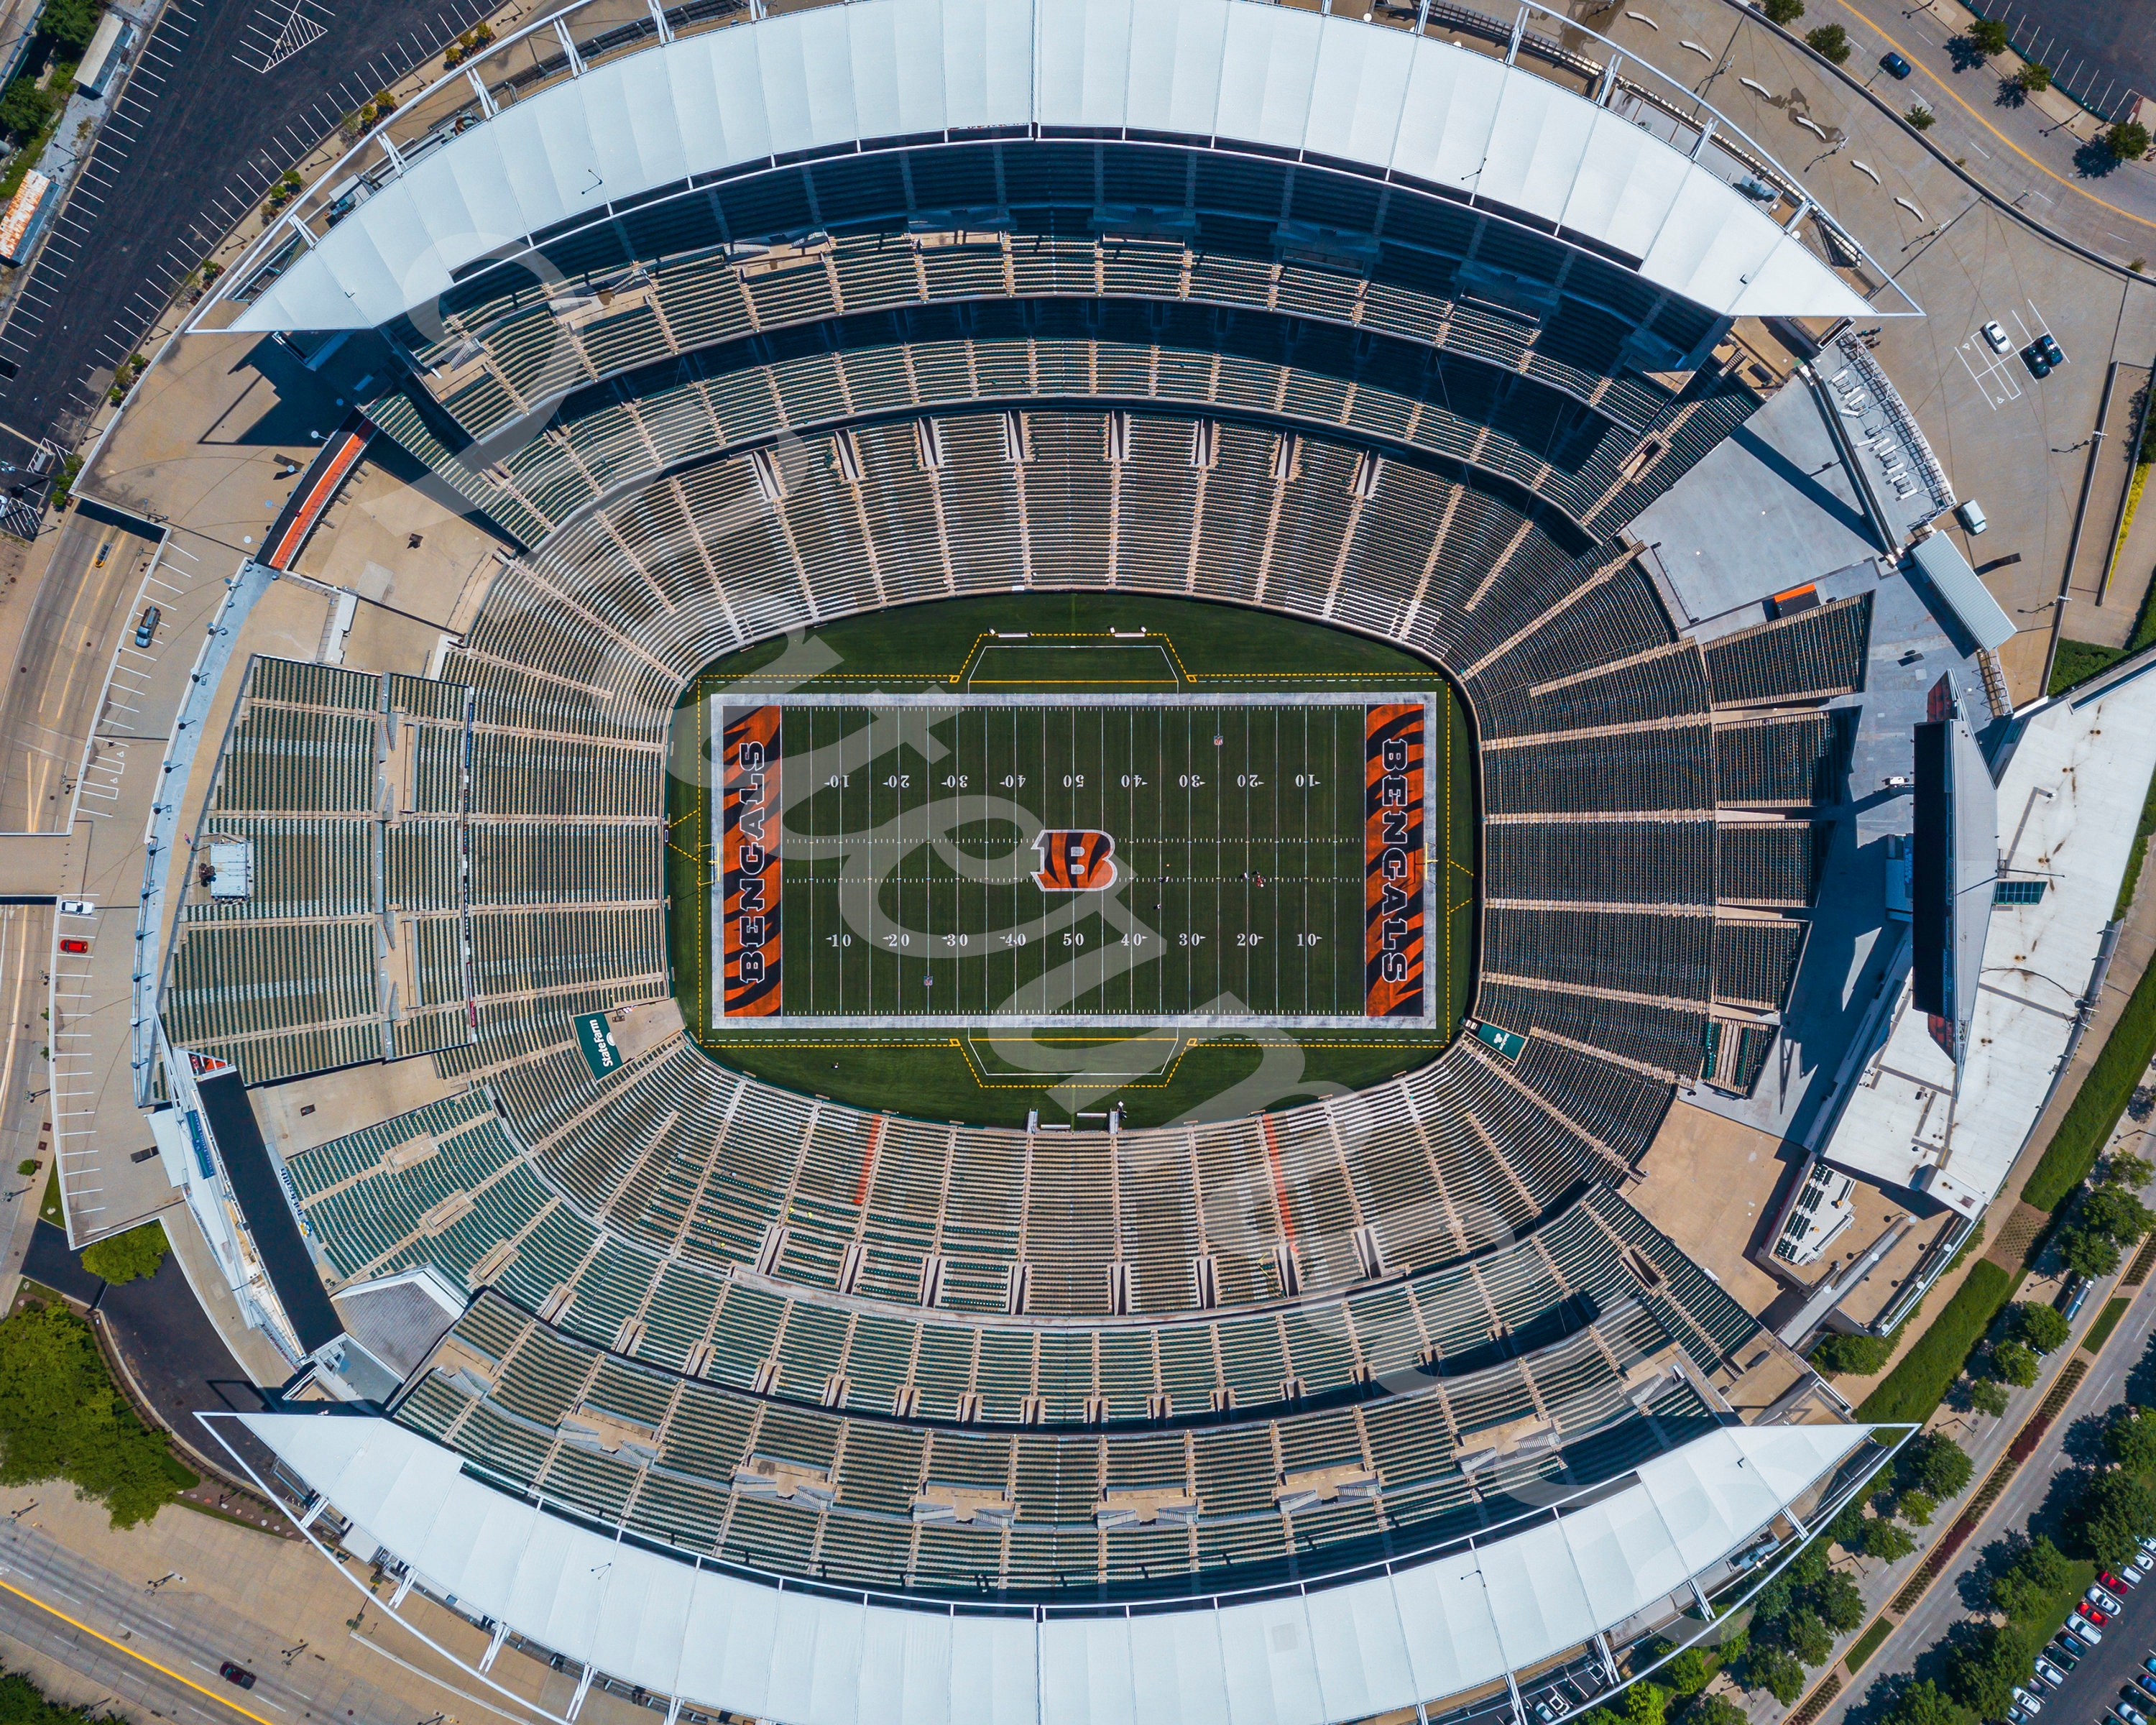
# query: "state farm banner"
x,y
748,861
1392,859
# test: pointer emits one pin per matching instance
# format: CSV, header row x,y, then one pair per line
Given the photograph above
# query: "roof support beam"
x,y
659,18
569,48
479,89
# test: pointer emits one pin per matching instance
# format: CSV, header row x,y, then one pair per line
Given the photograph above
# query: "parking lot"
x,y
2108,1670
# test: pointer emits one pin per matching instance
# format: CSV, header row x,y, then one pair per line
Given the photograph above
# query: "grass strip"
x,y
1996,1483
2141,828
1928,1369
2106,1320
1867,1644
2101,1099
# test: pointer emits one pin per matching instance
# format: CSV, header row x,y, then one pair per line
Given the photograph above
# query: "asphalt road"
x,y
2037,1501
156,1647
49,699
199,134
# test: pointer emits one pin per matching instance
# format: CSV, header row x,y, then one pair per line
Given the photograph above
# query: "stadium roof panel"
x,y
1420,1631
1223,70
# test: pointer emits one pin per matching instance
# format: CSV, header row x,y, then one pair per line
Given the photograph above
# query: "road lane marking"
x,y
141,1658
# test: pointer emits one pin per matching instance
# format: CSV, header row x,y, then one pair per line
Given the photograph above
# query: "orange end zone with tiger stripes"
x,y
748,862
1395,781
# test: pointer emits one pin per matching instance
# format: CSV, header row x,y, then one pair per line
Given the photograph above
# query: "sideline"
x,y
141,1658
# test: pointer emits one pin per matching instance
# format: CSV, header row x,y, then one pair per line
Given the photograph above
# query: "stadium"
x,y
919,939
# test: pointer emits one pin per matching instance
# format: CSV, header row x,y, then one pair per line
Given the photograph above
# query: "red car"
x,y
2095,1613
72,945
2114,1583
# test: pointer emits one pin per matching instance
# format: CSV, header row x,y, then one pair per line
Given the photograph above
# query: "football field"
x,y
1105,858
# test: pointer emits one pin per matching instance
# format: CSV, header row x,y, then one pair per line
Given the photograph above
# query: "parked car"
x,y
2147,1683
2103,1601
2049,349
76,947
2133,1574
2065,1650
1997,337
2116,1584
1970,514
2046,1672
2083,1630
2038,362
1894,65
245,1679
2095,1613
146,630
2020,1716
2027,1703
2132,1714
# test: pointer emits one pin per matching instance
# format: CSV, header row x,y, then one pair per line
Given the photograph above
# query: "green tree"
x,y
2040,1325
24,109
129,1256
1775,1670
1703,1709
2131,1438
1690,1672
1933,1462
1916,1508
1853,1356
1804,1633
1643,1704
2115,1510
1839,1605
1988,1395
2024,1589
1925,1703
2116,1210
1887,1540
1921,117
70,22
2127,141
1988,36
2013,1364
2033,76
1984,1665
22,1703
1830,42
60,1418
2119,1169
1785,13
2090,1250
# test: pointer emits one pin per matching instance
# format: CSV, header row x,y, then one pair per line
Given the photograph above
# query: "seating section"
x,y
403,864
679,275
1815,653
1782,764
1771,863
1755,960
1156,1508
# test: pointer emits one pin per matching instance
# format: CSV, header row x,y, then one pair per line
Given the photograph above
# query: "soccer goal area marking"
x,y
1134,858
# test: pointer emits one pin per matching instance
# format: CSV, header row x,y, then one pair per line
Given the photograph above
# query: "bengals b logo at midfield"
x,y
1073,860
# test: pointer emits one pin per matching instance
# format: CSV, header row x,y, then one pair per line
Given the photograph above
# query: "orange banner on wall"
x,y
748,861
1393,860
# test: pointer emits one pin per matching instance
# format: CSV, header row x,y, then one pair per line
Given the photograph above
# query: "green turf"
x,y
2101,1098
1155,1074
2099,1332
1867,1644
1915,1387
909,876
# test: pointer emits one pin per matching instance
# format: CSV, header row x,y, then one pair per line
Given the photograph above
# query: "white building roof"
x,y
1453,1622
1222,70
2068,802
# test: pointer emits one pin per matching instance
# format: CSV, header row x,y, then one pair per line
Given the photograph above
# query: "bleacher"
x,y
1808,657
1114,1504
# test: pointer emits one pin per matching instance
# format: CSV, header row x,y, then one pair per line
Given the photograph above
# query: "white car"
x,y
77,907
1996,338
2027,1703
2048,1673
2131,1715
2084,1629
2132,1574
2098,1597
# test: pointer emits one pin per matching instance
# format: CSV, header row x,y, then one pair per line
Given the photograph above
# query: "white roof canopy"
x,y
1207,68
1459,1620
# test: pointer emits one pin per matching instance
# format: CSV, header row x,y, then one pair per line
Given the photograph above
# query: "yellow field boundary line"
x,y
141,1658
